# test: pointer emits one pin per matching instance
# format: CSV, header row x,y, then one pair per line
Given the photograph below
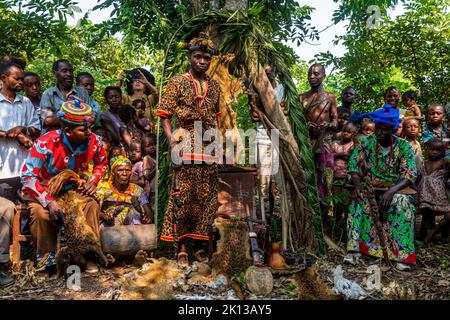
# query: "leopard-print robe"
x,y
198,182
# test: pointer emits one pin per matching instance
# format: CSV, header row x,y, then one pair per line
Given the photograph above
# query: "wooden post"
x,y
16,236
301,228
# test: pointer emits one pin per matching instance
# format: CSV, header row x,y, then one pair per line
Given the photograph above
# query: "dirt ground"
x,y
430,281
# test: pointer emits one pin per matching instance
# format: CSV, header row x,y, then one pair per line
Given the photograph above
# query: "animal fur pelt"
x,y
153,282
80,239
233,249
311,287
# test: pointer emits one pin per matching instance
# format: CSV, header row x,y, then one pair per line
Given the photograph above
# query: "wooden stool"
x,y
21,211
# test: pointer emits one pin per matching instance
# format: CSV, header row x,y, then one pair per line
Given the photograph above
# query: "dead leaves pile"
x,y
430,281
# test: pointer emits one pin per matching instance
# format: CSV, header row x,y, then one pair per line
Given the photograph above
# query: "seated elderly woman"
x,y
384,162
122,202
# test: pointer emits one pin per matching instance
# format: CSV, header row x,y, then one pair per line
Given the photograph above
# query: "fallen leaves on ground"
x,y
430,281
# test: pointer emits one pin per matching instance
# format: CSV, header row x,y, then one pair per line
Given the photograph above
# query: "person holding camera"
x,y
140,84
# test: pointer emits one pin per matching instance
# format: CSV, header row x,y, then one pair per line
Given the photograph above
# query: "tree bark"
x,y
300,233
127,240
302,229
197,6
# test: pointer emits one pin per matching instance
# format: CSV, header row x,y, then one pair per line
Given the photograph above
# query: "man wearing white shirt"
x,y
267,157
18,124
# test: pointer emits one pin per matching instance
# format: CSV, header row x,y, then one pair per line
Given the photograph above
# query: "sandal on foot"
x,y
403,267
45,261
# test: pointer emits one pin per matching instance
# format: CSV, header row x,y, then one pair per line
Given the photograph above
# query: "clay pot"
x,y
259,280
183,258
276,260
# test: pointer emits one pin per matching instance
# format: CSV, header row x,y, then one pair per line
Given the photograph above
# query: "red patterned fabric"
x,y
51,154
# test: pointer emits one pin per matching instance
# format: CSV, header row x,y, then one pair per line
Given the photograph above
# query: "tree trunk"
x,y
127,240
235,5
301,219
197,6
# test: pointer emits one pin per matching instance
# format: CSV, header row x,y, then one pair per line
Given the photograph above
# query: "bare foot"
x,y
110,259
140,258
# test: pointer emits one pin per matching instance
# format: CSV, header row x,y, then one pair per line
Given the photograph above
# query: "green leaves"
x,y
32,25
410,51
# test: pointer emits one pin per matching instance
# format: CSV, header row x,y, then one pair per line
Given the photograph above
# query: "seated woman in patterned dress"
x,y
122,202
389,163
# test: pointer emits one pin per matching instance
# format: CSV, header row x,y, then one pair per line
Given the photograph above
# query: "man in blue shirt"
x,y
54,97
18,124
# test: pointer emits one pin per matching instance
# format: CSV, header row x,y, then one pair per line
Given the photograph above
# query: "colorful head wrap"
x,y
386,115
203,43
76,112
117,161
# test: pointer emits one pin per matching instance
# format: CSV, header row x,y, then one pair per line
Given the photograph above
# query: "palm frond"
x,y
247,37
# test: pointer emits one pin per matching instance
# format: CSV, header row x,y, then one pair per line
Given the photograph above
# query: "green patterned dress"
x,y
399,227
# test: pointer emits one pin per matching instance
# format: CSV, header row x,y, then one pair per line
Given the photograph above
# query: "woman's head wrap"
x,y
76,112
117,161
386,115
202,43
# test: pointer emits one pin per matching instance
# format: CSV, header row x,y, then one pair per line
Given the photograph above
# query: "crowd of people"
x,y
43,134
388,166
394,151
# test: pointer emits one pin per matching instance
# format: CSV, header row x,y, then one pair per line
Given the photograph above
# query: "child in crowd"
x,y
87,81
392,96
411,130
433,198
409,99
144,168
116,129
32,90
149,145
128,115
149,165
135,154
435,127
143,123
343,119
137,172
367,128
341,150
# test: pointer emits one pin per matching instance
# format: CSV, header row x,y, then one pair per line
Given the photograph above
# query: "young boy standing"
x,y
87,81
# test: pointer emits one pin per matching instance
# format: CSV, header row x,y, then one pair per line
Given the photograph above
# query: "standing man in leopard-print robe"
x,y
193,97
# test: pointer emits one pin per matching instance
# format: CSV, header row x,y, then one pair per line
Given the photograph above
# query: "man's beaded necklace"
x,y
200,92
